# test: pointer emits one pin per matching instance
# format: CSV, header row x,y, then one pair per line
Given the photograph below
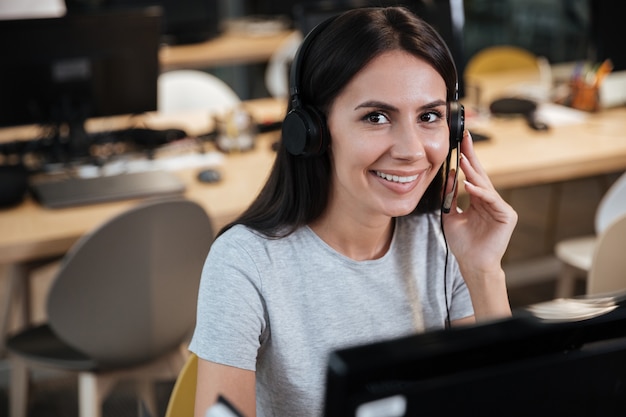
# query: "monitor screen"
x,y
446,16
608,32
62,71
515,367
184,21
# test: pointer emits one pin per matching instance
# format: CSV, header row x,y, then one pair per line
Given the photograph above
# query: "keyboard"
x,y
75,191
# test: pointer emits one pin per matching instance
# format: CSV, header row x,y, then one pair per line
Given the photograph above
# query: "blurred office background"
x,y
559,30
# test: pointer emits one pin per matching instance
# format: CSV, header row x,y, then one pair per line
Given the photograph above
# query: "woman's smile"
x,y
396,178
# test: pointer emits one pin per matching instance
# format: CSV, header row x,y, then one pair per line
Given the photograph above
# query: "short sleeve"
x,y
230,310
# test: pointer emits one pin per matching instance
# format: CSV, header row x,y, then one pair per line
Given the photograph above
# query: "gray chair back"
x,y
126,293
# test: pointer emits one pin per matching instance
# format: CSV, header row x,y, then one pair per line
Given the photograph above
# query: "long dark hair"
x,y
297,190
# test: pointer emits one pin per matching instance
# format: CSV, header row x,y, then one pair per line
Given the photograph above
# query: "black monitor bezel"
x,y
509,367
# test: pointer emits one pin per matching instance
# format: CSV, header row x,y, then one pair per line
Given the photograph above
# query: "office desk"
x,y
517,156
30,231
229,48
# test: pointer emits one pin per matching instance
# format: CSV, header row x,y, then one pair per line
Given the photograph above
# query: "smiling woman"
x,y
345,243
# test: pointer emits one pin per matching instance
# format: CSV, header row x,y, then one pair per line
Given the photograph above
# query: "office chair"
x,y
184,90
608,265
500,58
183,397
121,307
576,254
277,70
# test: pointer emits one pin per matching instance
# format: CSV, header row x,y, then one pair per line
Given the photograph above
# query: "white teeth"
x,y
396,178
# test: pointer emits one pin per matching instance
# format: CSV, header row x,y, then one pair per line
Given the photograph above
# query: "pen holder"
x,y
584,96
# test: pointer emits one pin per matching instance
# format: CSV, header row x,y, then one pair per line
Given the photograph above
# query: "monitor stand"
x,y
69,144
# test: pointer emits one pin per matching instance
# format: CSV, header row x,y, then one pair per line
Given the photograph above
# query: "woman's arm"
x,y
235,384
479,236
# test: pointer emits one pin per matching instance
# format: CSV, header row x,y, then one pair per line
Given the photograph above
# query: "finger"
x,y
467,148
490,200
474,176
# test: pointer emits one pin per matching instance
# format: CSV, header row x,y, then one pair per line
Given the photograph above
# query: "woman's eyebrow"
x,y
385,106
376,104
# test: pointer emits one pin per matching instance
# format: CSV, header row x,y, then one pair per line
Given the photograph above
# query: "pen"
x,y
603,70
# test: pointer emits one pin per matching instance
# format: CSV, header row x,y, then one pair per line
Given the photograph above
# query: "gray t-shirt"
x,y
280,306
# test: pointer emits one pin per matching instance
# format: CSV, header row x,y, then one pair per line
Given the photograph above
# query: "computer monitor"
x,y
62,71
446,16
184,21
515,367
607,32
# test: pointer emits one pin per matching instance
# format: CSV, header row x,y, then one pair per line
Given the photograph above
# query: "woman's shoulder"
x,y
241,237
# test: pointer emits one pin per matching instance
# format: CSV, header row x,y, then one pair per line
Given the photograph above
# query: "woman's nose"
x,y
408,142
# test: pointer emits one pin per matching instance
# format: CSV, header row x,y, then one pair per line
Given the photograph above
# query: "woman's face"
x,y
389,136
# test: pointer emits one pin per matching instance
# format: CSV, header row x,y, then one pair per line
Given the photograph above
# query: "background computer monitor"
x,y
608,33
62,71
515,367
184,21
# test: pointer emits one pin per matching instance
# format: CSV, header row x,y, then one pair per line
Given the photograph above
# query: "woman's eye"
x,y
376,118
430,117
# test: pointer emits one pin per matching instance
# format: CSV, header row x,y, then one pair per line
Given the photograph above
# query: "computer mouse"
x,y
209,175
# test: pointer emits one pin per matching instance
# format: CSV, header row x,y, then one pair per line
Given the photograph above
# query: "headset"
x,y
304,129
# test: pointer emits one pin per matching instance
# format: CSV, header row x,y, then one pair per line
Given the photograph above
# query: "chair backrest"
x,y
277,71
612,205
183,90
126,292
608,268
500,58
183,397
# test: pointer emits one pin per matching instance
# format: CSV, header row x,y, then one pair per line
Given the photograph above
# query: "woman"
x,y
346,246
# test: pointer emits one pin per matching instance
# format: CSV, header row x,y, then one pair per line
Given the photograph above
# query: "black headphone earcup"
x,y
456,123
304,132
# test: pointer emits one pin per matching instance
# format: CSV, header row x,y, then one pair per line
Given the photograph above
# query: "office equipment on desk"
x,y
520,366
60,72
75,191
120,307
209,176
511,106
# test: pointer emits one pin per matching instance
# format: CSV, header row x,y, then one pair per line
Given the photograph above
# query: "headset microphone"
x,y
456,123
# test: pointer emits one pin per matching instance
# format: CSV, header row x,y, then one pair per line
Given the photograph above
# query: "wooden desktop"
x,y
230,48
